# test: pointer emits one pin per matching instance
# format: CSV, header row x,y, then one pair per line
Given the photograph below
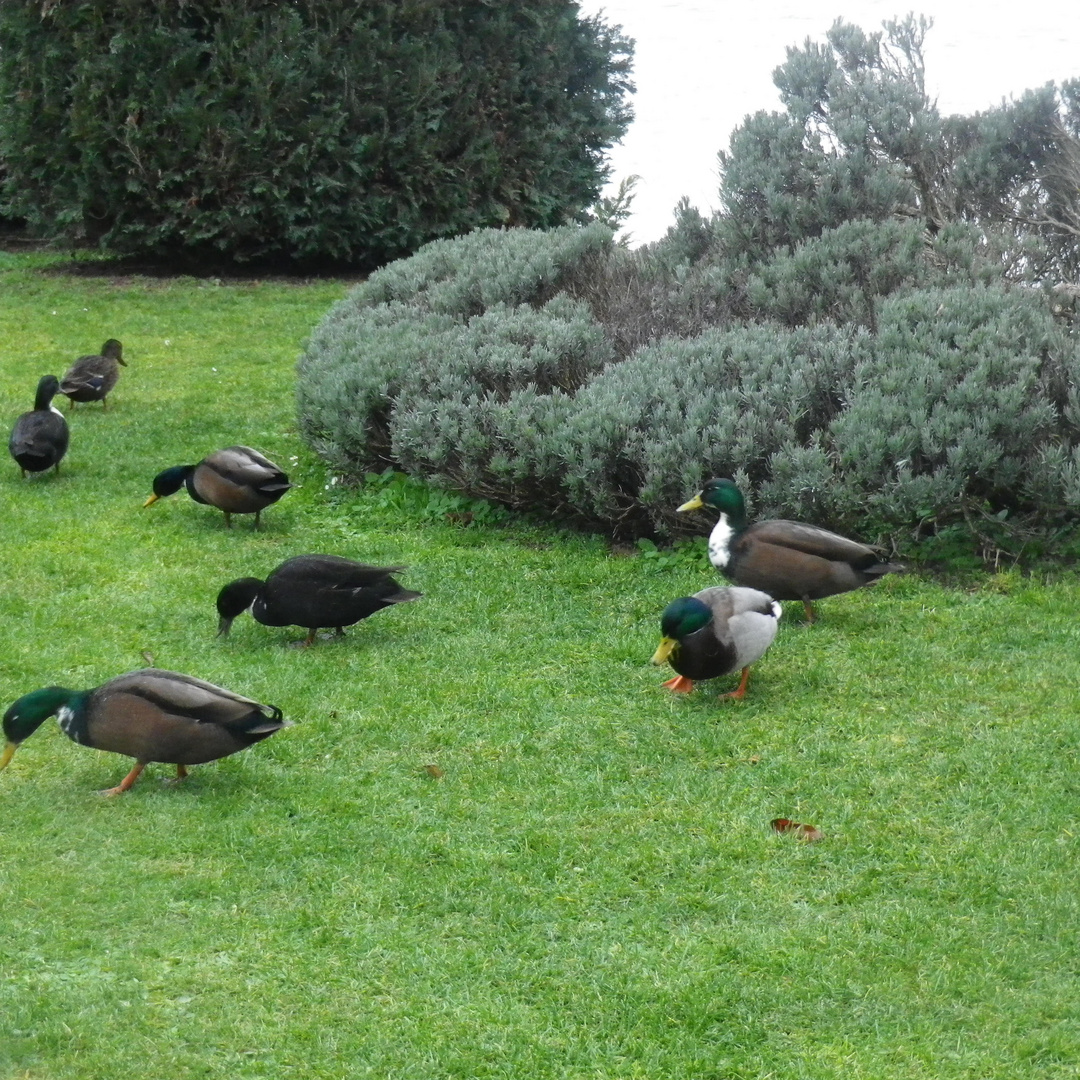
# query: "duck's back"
x,y
793,561
316,591
39,439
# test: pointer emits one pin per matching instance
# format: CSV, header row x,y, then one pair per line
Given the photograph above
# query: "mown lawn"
x,y
590,888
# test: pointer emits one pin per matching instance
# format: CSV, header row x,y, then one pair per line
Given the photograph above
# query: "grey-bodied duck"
x,y
716,632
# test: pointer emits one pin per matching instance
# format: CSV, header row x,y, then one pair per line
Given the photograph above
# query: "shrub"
x,y
460,365
873,334
391,335
308,130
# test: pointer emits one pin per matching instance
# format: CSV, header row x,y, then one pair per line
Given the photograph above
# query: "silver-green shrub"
x,y
503,366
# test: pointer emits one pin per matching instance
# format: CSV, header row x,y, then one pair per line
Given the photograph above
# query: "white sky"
x,y
701,67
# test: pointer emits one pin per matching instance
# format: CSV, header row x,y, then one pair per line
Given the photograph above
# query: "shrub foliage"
x,y
959,404
310,130
876,333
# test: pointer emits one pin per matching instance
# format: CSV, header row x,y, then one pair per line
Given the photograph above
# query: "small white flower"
x,y
213,369
168,341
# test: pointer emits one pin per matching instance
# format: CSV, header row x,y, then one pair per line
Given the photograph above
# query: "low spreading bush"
x,y
495,366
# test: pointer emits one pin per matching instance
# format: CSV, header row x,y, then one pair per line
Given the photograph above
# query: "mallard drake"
x,y
150,715
715,632
91,378
313,591
787,559
40,437
237,480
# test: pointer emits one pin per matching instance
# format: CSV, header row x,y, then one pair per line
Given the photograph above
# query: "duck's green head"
x,y
169,482
27,714
721,494
680,619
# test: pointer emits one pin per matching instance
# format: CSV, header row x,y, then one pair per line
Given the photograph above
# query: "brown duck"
x,y
237,480
150,715
91,378
786,559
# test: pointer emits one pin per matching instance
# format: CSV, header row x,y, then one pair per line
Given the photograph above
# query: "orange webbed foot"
x,y
680,684
740,692
124,784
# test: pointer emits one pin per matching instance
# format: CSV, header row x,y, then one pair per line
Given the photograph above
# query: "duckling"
x,y
91,378
150,715
237,480
40,438
715,632
313,591
787,559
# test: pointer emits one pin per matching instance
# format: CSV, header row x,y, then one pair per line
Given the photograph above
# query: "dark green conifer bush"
x,y
304,130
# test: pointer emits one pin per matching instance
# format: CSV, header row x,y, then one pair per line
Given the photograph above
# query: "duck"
x,y
91,378
716,632
313,591
237,480
150,715
40,437
789,560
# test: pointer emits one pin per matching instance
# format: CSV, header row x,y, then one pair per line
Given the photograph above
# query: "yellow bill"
x,y
667,646
694,504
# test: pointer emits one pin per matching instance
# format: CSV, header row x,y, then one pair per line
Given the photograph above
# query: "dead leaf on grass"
x,y
808,833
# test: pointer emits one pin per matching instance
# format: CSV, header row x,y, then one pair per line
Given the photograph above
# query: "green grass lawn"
x,y
591,888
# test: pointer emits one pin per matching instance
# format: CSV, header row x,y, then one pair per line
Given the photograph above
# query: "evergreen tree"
x,y
311,130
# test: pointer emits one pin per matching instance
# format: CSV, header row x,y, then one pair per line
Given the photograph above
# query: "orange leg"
x,y
126,783
181,773
809,609
740,693
680,684
310,639
228,519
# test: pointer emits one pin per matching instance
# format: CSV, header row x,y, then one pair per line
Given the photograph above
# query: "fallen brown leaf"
x,y
808,833
434,771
